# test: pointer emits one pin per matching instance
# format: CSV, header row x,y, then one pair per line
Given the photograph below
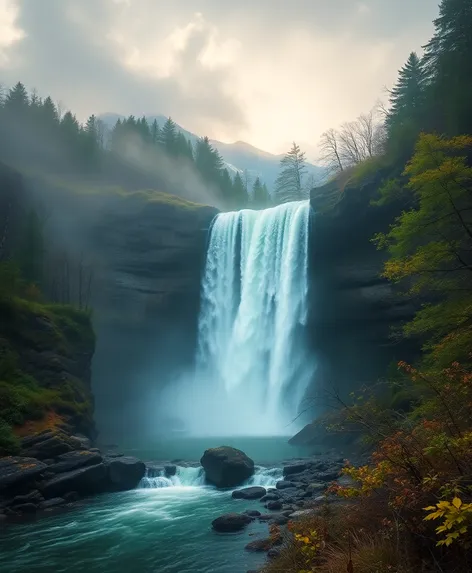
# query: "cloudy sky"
x,y
265,71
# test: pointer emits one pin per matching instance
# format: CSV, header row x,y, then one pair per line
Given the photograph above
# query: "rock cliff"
x,y
353,309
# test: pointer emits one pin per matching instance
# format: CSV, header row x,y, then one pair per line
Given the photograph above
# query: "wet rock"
x,y
50,503
280,520
266,517
86,481
270,497
26,508
16,471
71,496
316,487
295,468
226,467
125,473
249,493
284,484
274,505
303,513
74,460
252,512
273,553
329,475
170,470
31,497
231,522
259,545
85,442
47,445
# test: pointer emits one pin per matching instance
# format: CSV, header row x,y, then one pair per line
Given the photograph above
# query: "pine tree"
x,y
289,183
260,195
240,196
17,101
449,64
182,148
208,161
407,97
155,132
406,116
168,136
70,131
91,147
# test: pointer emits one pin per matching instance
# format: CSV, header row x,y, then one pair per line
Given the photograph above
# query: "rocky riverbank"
x,y
54,469
302,492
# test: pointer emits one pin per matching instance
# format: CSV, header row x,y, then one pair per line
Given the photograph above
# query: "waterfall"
x,y
184,477
195,477
252,366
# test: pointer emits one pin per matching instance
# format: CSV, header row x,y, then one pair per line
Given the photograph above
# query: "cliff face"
x,y
352,308
146,298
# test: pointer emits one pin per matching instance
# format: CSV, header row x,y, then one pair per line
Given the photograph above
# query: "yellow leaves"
x,y
456,502
456,515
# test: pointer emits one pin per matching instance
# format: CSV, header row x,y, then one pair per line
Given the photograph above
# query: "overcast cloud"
x,y
266,71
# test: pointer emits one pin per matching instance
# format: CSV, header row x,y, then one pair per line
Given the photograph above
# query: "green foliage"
x,y
366,169
430,244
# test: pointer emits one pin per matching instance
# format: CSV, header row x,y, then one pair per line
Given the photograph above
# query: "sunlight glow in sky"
x,y
264,71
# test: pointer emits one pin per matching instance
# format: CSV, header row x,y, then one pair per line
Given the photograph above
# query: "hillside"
x,y
238,156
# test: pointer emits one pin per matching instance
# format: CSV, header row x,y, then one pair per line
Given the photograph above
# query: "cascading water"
x,y
195,477
252,366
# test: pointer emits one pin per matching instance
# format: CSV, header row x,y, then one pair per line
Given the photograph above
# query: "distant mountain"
x,y
238,156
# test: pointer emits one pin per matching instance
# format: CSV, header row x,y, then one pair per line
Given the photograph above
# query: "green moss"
x,y
89,188
27,395
367,169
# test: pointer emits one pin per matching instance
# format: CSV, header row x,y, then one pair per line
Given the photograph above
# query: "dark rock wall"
x,y
353,309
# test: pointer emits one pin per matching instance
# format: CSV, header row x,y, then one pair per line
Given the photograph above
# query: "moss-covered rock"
x,y
45,356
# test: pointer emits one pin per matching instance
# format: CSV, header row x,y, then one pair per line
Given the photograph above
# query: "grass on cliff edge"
x,y
24,402
97,189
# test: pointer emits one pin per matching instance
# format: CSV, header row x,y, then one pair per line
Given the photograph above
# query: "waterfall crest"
x,y
252,366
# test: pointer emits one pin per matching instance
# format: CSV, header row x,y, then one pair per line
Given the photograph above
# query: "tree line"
x,y
432,94
33,127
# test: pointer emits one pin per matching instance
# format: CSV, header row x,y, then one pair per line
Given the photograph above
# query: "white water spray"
x,y
252,366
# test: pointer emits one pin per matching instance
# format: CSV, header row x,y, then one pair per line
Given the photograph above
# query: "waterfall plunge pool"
x,y
151,529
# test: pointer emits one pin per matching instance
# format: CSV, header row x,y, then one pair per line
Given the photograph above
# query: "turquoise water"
x,y
164,530
263,450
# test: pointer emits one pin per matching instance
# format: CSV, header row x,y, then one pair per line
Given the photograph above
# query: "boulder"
x,y
231,522
85,481
170,470
125,473
272,496
284,484
16,471
295,468
274,505
259,545
226,467
75,460
249,493
252,512
280,520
